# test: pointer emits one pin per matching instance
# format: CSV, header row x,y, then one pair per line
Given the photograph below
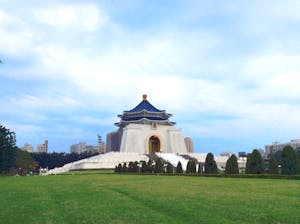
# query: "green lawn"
x,y
113,198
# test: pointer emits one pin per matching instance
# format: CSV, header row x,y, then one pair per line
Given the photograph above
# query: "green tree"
x,y
24,163
273,165
188,167
210,165
255,163
150,167
298,163
7,149
118,168
135,167
130,167
192,166
288,160
144,167
158,168
170,168
200,168
247,169
232,165
124,168
179,168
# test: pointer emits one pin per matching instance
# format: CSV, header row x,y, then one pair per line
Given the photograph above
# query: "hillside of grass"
x,y
112,198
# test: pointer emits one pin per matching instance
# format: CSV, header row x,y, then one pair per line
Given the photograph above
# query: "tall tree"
x,y
150,166
298,163
170,168
124,168
130,167
136,166
255,163
200,168
273,165
158,168
193,166
210,165
7,149
288,160
248,162
144,167
232,165
179,168
24,163
188,165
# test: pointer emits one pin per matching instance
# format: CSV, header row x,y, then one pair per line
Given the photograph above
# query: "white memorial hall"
x,y
142,132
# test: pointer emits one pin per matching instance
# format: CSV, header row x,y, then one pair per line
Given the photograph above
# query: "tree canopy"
x,y
232,165
179,168
288,160
210,165
255,163
191,166
7,149
159,165
273,165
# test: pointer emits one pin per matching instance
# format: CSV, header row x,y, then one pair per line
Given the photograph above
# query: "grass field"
x,y
113,198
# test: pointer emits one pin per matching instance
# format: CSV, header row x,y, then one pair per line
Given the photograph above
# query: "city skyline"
x,y
228,71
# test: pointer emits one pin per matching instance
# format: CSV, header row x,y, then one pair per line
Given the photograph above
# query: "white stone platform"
x,y
103,161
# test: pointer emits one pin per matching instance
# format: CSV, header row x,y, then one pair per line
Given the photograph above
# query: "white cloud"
x,y
88,58
15,37
79,17
40,103
93,120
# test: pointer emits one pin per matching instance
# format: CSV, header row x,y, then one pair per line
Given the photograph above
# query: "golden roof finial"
x,y
144,96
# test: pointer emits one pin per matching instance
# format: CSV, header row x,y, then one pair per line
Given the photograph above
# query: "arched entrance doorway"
x,y
154,144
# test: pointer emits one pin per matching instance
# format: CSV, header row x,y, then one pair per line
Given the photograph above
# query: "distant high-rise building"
x,y
227,154
189,144
27,147
277,146
43,148
113,140
78,148
82,147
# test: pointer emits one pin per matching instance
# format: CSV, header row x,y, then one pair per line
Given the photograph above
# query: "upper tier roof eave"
x,y
145,119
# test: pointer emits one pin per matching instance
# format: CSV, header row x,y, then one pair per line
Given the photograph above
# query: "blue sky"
x,y
228,71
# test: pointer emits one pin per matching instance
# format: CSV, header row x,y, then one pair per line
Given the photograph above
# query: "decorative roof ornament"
x,y
144,96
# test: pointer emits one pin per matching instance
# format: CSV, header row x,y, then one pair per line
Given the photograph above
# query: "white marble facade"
x,y
136,138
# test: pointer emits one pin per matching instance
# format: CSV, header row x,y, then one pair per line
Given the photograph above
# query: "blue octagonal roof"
x,y
145,105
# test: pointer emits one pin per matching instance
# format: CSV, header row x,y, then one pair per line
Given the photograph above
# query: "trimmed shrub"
x,y
170,168
150,166
232,165
120,168
124,168
179,168
144,167
135,167
210,165
188,165
130,167
255,163
158,168
200,168
288,160
191,166
273,165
